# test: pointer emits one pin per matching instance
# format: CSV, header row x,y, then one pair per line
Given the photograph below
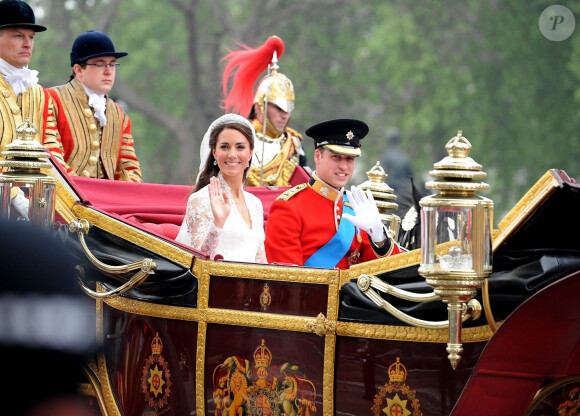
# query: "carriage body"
x,y
224,338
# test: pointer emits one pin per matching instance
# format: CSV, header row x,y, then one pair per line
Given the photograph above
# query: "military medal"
x,y
353,258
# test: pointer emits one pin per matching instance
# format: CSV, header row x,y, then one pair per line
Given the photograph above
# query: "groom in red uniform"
x,y
319,224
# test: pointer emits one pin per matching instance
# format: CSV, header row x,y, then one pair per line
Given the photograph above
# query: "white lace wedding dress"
x,y
236,241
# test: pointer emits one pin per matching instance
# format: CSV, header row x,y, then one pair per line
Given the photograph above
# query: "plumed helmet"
x,y
16,13
93,44
245,67
278,90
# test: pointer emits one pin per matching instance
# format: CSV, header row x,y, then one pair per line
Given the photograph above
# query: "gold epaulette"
x,y
286,195
293,132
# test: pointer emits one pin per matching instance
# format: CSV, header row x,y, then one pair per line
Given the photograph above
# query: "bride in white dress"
x,y
222,219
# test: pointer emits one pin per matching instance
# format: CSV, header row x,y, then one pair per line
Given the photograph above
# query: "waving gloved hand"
x,y
367,215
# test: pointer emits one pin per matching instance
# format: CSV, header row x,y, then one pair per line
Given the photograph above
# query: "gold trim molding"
x,y
200,367
382,265
528,203
410,333
134,235
208,268
102,373
328,376
65,199
296,323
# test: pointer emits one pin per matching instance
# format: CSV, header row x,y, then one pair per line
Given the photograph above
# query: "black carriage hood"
x,y
170,284
538,248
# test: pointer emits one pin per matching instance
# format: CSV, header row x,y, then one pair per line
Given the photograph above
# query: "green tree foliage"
x,y
482,67
429,68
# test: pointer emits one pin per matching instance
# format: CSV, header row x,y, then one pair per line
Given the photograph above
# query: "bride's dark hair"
x,y
210,169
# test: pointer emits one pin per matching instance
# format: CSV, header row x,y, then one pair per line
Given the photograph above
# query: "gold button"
x,y
85,173
92,160
6,93
92,128
88,112
338,216
95,145
15,110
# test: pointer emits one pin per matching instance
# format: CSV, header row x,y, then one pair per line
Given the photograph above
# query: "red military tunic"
x,y
304,218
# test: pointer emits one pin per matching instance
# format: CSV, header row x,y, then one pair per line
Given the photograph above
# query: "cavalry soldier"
x,y
318,224
279,148
95,131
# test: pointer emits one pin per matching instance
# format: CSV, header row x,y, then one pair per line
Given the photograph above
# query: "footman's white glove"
x,y
367,215
20,204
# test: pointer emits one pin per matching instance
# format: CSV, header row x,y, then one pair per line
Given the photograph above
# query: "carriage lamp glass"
x,y
27,194
456,233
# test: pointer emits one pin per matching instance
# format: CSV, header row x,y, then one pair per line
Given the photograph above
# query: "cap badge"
x,y
349,135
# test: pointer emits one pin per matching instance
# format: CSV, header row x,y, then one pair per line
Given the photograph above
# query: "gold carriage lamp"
x,y
385,199
25,192
456,229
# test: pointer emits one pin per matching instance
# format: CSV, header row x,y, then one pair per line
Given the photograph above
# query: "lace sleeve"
x,y
198,229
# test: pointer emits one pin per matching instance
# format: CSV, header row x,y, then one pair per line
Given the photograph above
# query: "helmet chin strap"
x,y
273,129
269,128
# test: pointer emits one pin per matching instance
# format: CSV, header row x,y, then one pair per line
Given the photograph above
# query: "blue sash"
x,y
335,249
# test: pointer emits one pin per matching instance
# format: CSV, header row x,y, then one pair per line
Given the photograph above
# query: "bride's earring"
x,y
215,162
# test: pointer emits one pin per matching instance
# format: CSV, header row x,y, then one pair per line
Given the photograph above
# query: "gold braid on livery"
x,y
278,170
36,105
88,149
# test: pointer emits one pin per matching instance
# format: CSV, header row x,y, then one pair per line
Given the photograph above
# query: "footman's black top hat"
x,y
340,136
92,44
16,13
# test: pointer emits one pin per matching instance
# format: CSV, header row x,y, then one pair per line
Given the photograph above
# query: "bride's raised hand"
x,y
219,201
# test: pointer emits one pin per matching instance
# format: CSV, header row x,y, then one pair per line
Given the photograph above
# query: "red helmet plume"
x,y
244,67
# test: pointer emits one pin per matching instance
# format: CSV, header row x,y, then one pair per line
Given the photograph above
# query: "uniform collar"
x,y
18,78
323,189
98,103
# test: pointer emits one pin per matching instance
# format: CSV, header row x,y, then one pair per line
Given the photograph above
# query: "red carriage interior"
x,y
157,208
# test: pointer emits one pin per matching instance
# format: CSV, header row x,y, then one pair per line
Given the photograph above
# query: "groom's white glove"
x,y
367,215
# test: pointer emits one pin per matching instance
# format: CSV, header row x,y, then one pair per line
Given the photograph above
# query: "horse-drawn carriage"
x,y
182,334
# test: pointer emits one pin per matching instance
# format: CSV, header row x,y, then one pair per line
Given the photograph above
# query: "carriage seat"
x,y
157,208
